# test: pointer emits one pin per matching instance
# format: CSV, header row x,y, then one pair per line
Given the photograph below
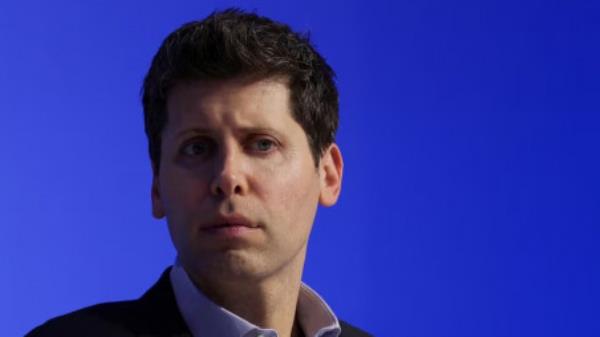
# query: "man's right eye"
x,y
197,148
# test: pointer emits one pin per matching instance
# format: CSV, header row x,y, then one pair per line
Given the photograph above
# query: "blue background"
x,y
470,131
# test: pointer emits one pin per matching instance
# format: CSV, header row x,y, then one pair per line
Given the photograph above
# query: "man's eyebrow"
x,y
259,129
186,133
199,131
239,131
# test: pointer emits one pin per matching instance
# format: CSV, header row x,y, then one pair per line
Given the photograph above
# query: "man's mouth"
x,y
231,230
226,225
231,223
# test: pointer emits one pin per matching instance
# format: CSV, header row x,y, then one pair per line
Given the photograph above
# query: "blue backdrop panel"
x,y
470,131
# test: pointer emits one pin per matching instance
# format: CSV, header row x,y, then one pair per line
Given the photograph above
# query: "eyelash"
x,y
272,143
187,149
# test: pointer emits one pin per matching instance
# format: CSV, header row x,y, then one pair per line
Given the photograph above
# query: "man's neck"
x,y
269,303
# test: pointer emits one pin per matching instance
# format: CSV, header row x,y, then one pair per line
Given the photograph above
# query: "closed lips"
x,y
230,224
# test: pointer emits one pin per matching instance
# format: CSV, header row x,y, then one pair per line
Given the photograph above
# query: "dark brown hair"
x,y
233,43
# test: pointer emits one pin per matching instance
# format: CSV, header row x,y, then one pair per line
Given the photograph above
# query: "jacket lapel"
x,y
160,311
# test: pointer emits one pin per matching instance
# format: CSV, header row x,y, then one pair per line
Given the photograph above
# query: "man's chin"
x,y
231,266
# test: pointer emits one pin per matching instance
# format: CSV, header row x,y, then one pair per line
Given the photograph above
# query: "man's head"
x,y
232,44
241,115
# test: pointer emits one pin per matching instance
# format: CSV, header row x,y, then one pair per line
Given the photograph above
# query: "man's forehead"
x,y
238,103
218,91
230,83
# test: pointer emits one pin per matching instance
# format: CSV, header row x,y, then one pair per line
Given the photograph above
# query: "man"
x,y
241,115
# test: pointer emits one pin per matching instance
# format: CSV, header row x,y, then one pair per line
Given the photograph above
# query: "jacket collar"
x,y
160,311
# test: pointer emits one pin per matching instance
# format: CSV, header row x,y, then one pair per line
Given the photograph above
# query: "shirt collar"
x,y
206,319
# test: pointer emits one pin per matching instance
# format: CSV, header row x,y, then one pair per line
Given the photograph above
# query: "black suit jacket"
x,y
155,314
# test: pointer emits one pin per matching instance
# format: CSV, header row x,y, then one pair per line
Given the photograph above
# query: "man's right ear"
x,y
157,207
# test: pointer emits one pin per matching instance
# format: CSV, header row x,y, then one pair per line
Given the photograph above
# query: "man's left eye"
x,y
263,145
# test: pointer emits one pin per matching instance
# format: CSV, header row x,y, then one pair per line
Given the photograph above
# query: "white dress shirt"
x,y
205,318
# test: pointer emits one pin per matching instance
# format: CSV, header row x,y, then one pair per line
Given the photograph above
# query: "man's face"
x,y
237,181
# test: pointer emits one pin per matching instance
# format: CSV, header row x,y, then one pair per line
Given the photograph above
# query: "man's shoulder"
x,y
153,314
349,330
104,319
114,319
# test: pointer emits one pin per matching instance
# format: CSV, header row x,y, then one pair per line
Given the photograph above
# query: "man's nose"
x,y
229,178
